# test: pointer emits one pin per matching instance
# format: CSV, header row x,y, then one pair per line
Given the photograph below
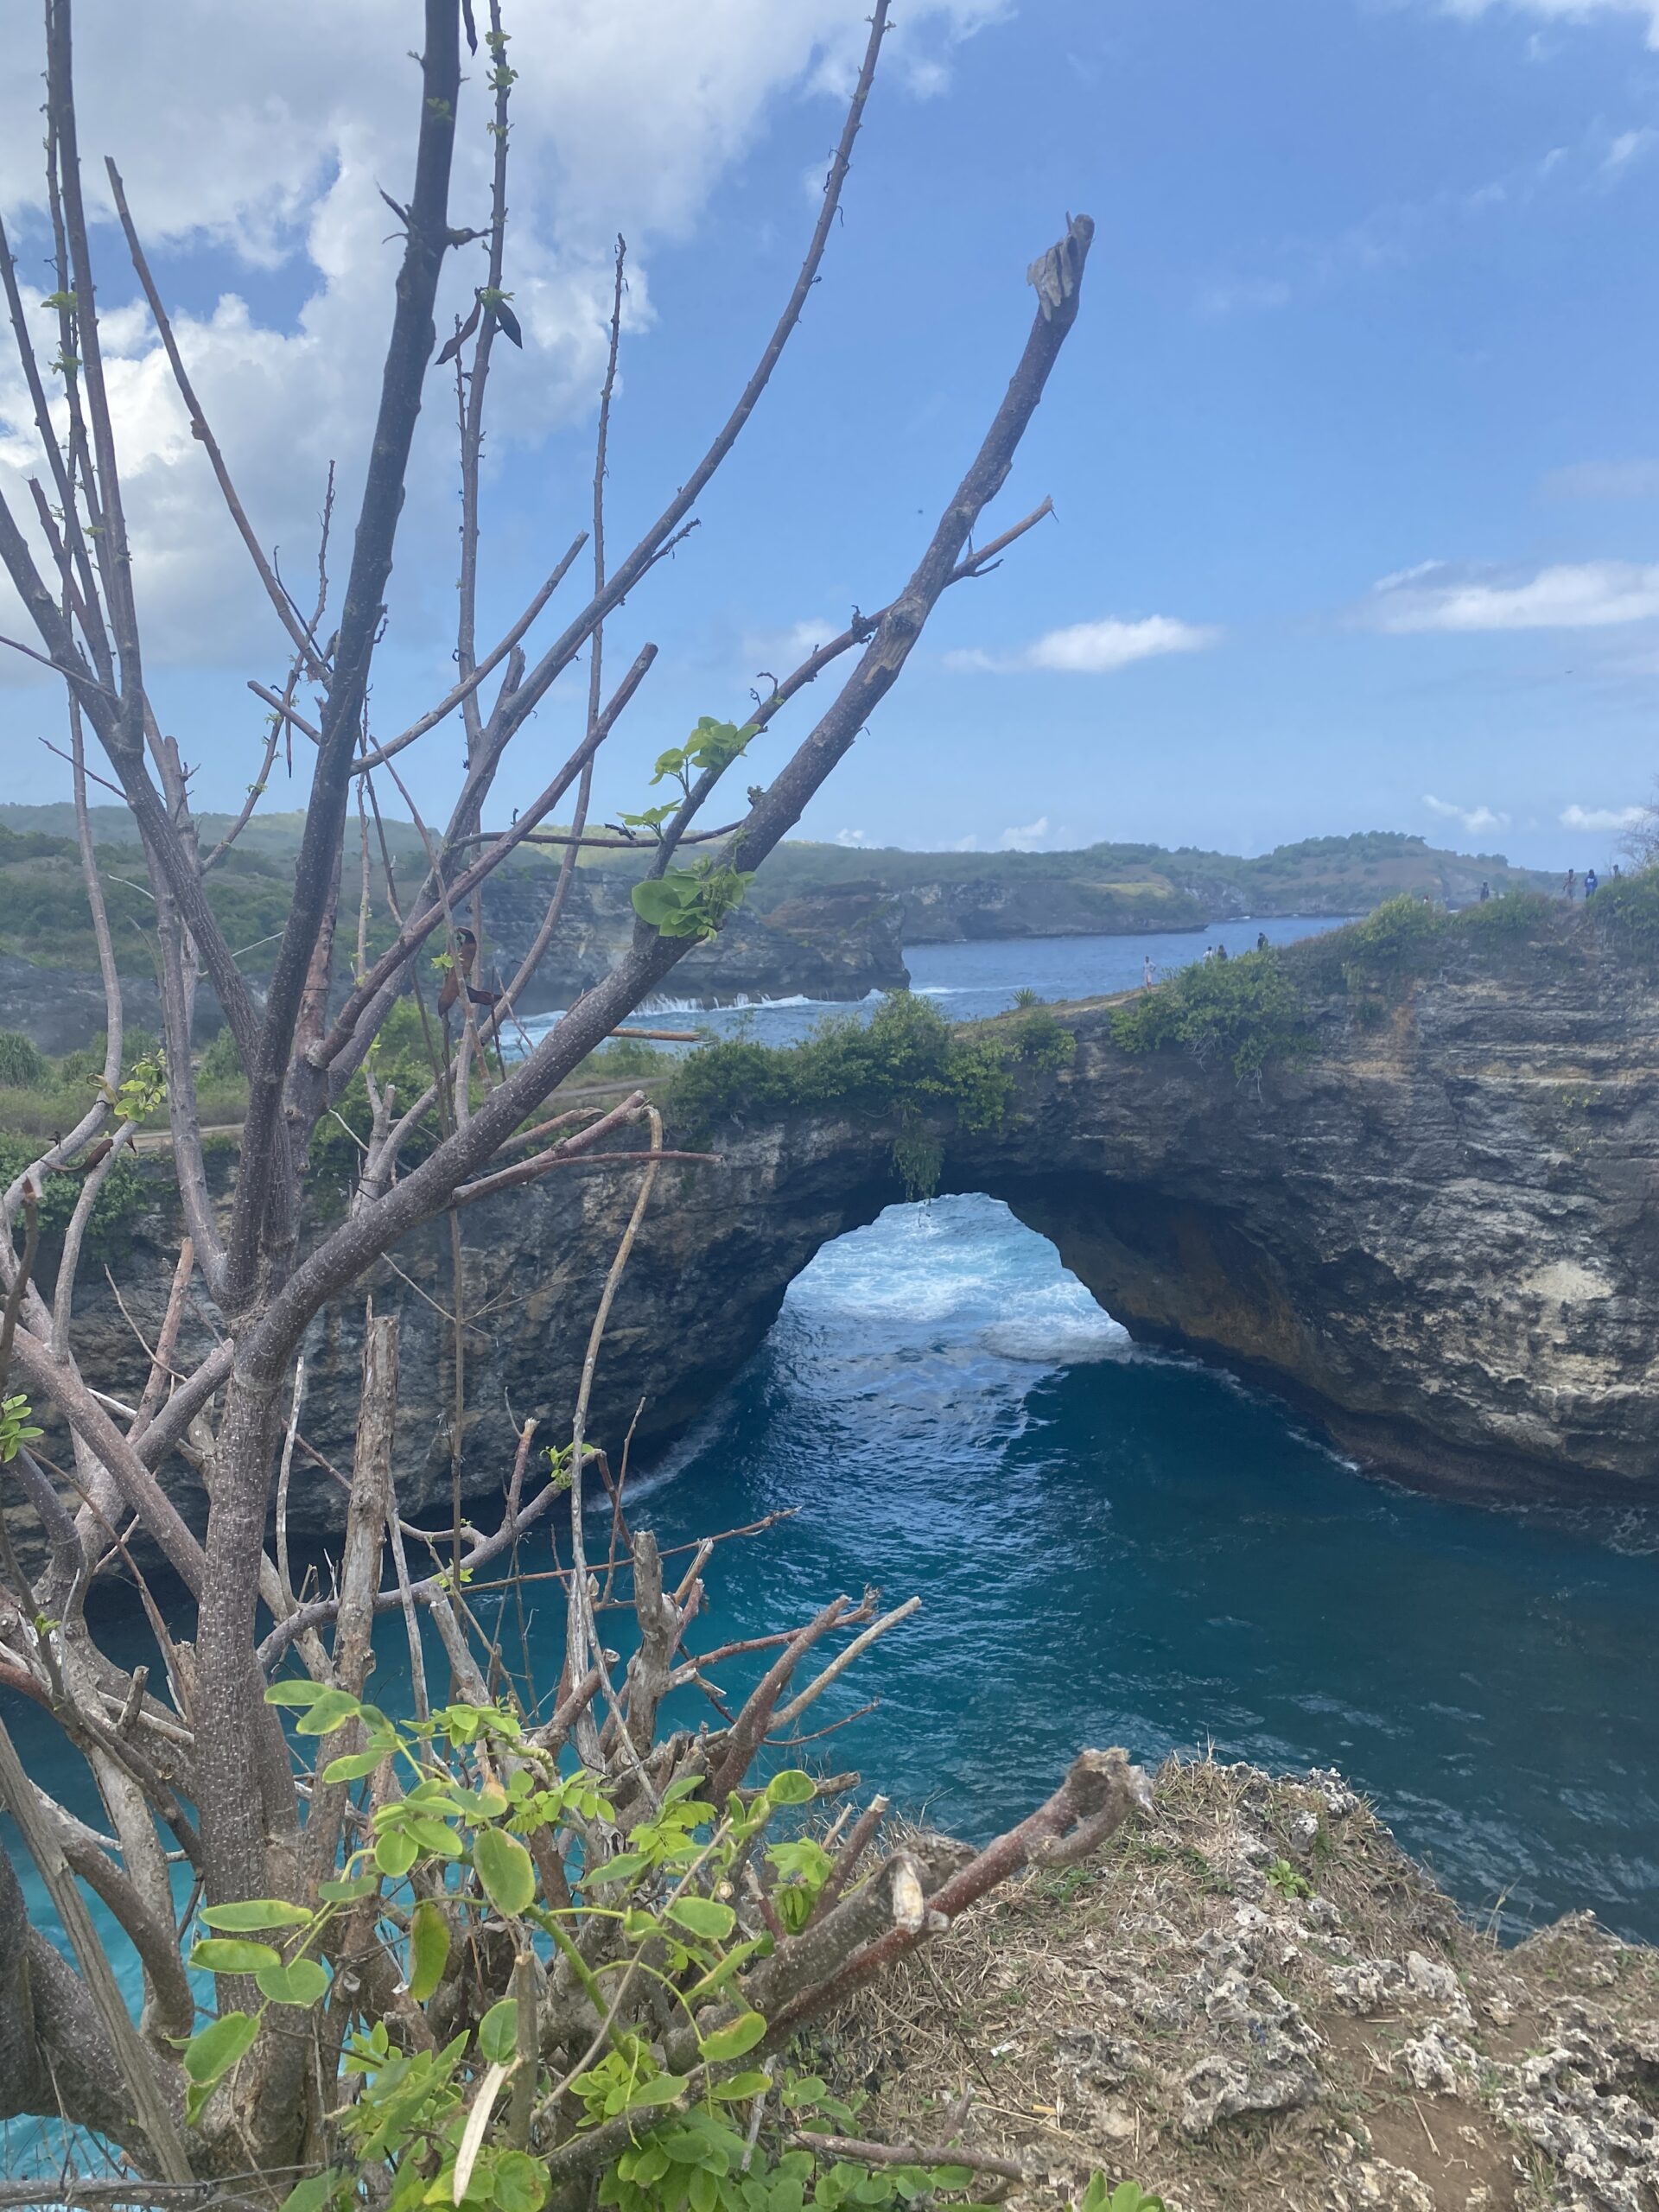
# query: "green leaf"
x,y
297,1690
687,1786
497,2033
659,2089
435,1836
428,1950
347,1889
732,2042
738,2088
326,1713
520,2182
791,1787
210,2053
623,1866
506,1870
255,1912
953,2176
394,1852
304,1982
219,1956
314,2192
702,1916
665,902
353,1766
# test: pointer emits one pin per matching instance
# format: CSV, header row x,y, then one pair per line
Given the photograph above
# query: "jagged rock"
x,y
1583,2104
1364,1986
1258,2089
1375,2185
1273,2074
1431,2061
1339,1799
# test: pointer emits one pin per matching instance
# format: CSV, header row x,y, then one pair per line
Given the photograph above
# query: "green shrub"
x,y
907,1060
220,1066
22,1066
1395,936
1626,911
1248,1009
1511,914
1040,1039
120,1198
622,1060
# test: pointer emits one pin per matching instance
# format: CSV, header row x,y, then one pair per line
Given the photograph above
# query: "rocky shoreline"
x,y
1255,1998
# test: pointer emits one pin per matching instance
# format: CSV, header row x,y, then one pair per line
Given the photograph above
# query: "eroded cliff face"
x,y
838,944
1438,1236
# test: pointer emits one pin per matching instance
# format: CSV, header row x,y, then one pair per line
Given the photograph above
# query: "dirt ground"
x,y
1252,2000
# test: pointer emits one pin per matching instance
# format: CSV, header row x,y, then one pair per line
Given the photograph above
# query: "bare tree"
x,y
196,1769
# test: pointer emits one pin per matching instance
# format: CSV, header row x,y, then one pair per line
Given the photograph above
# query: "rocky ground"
x,y
1256,2000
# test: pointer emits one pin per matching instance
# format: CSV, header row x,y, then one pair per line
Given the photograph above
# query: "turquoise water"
x,y
1113,1547
1117,1548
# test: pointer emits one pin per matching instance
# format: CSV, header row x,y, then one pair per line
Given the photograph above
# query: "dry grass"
x,y
1076,2005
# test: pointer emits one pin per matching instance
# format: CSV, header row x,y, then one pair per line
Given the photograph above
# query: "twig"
x,y
909,2154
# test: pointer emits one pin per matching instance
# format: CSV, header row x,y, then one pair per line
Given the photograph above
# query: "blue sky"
x,y
1354,450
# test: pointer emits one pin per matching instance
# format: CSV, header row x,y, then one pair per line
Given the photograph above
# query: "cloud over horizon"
x,y
1601,817
1475,820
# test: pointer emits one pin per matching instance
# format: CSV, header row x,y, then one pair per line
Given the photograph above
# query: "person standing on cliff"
x,y
1147,978
1572,884
1485,890
1261,940
1589,883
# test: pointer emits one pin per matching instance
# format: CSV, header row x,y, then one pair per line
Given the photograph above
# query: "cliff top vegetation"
x,y
44,916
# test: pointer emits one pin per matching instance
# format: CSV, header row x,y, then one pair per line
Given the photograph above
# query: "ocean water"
x,y
972,981
1113,1546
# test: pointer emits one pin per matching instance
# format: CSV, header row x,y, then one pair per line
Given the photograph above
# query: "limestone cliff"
x,y
838,944
1438,1234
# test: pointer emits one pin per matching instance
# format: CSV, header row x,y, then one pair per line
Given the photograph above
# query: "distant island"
x,y
826,921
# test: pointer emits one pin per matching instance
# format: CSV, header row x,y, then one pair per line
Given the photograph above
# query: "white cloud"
x,y
1094,648
1583,595
1602,817
1603,480
967,844
1026,839
267,133
1629,146
1566,11
1475,820
851,837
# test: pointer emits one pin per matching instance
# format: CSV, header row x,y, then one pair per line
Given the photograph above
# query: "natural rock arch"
x,y
1438,1235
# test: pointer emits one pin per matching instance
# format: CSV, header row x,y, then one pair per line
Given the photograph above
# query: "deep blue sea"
x,y
1113,1546
1117,1547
